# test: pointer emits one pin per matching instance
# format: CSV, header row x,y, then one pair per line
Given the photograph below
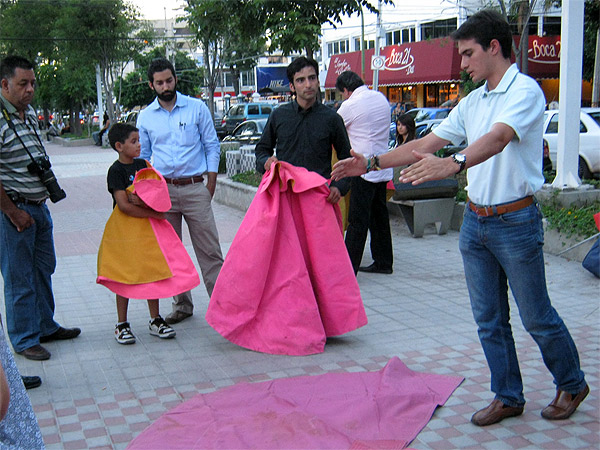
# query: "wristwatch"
x,y
461,160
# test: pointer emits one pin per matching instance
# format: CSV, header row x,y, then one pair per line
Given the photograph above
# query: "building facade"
x,y
421,66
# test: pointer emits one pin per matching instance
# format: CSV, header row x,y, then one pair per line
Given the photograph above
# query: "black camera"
x,y
40,166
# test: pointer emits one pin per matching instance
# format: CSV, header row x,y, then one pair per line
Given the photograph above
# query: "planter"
x,y
233,194
66,142
556,243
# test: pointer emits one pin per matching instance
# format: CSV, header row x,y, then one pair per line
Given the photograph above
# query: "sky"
x,y
155,9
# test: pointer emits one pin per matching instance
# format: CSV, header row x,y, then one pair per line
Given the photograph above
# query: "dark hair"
x,y
348,80
159,65
408,121
298,64
120,132
485,26
9,65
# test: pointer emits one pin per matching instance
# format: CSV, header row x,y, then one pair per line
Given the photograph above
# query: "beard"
x,y
166,96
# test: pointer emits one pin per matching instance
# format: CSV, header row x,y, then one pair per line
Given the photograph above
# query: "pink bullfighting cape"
x,y
287,282
143,257
383,410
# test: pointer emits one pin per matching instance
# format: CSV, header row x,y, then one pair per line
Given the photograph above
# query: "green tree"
x,y
295,25
135,88
106,36
219,38
590,35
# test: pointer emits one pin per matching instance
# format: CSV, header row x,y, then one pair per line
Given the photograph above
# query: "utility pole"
x,y
377,44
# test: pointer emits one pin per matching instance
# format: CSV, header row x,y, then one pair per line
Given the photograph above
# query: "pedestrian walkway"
x,y
99,394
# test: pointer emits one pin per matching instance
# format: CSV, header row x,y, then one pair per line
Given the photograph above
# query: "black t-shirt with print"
x,y
120,176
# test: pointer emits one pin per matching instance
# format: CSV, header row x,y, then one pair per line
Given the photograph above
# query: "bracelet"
x,y
373,163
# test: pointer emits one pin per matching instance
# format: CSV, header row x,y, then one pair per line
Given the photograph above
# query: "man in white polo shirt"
x,y
367,117
501,237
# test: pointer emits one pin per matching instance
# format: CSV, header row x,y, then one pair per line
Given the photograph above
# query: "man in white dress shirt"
x,y
367,117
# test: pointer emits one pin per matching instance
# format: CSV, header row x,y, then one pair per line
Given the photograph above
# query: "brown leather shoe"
x,y
494,413
176,317
61,334
37,353
564,404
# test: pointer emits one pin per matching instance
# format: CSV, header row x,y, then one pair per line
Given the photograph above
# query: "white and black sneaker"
x,y
123,334
158,327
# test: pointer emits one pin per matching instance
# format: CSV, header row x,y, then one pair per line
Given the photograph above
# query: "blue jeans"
x,y
27,262
505,248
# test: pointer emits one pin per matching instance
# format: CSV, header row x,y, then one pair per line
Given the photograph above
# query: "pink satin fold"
x,y
287,282
369,410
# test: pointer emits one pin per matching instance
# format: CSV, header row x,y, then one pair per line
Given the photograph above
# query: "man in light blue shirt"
x,y
178,134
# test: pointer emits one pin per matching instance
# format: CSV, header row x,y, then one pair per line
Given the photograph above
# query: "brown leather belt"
x,y
184,181
496,210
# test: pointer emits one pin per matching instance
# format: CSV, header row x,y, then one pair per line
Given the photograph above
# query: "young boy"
x,y
124,138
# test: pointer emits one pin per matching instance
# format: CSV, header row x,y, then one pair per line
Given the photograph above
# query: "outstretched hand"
x,y
428,167
350,167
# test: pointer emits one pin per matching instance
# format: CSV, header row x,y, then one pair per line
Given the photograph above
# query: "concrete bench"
x,y
419,213
428,203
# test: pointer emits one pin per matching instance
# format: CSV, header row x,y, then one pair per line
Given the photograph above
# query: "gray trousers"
x,y
192,202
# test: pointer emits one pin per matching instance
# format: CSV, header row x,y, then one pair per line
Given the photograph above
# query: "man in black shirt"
x,y
305,130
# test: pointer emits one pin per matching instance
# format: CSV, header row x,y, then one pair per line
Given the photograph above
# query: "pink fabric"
x,y
369,410
287,282
152,188
185,277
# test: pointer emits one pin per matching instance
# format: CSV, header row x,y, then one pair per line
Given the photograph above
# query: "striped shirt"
x,y
14,175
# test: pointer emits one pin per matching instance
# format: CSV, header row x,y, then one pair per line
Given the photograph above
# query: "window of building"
x,y
248,78
228,79
337,47
532,27
368,44
393,37
438,28
552,26
408,35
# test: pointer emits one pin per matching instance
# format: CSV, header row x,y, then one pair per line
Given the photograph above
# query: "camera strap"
x,y
11,125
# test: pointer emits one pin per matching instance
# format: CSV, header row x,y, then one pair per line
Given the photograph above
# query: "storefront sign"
x,y
437,61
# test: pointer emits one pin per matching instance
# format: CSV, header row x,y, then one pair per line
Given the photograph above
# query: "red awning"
x,y
435,61
544,56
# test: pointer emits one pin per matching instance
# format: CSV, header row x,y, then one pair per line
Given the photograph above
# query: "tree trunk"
x,y
235,75
309,53
523,28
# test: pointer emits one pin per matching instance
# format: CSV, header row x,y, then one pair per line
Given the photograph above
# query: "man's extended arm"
x,y
400,156
430,167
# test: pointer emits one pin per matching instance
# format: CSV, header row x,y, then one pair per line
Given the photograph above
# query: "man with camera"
x,y
27,258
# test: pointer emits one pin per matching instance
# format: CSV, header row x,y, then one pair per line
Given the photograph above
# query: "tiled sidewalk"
x,y
98,394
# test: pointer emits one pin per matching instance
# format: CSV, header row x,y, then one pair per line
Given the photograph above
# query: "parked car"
x,y
589,140
248,132
245,111
131,117
422,114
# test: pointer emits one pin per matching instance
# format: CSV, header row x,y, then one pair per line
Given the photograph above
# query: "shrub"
x,y
251,178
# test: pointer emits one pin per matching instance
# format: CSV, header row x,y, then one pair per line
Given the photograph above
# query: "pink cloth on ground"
x,y
287,282
369,410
